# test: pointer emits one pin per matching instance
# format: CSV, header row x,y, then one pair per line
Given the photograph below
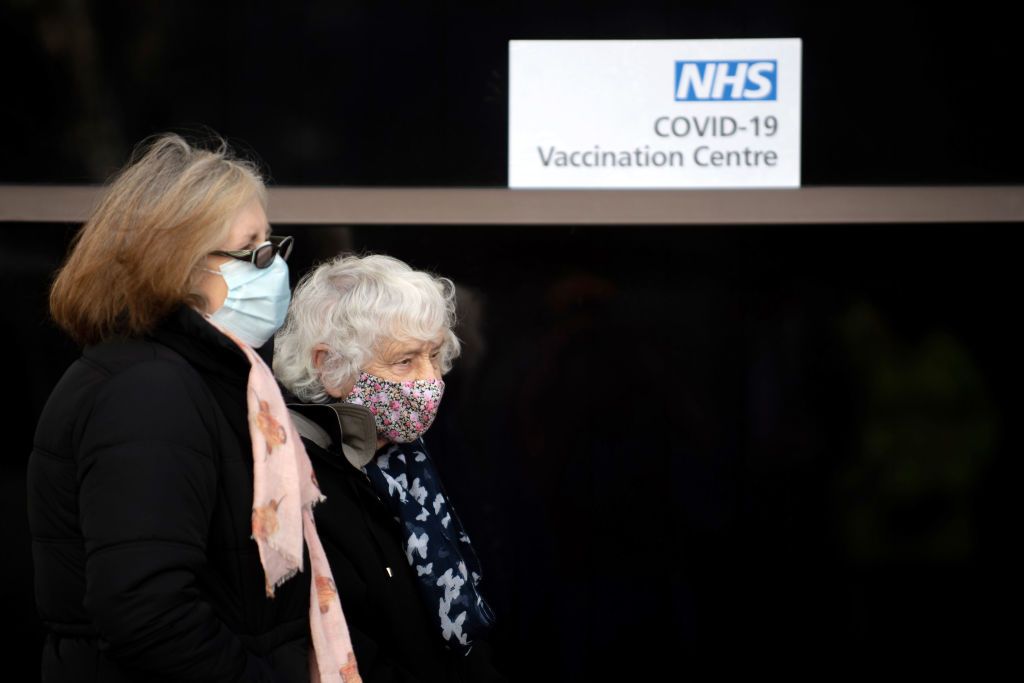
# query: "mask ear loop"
x,y
212,272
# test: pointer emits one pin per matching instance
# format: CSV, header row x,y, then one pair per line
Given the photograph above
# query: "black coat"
x,y
393,636
140,498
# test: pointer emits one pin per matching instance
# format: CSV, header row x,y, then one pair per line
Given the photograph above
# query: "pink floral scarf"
x,y
284,493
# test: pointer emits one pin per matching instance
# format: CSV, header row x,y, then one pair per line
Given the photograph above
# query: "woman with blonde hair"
x,y
169,495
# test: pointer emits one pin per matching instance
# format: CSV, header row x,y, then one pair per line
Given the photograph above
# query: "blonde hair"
x,y
136,257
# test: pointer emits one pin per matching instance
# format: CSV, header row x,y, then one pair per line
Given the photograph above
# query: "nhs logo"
x,y
723,80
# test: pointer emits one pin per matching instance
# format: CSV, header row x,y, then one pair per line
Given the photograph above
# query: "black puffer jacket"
x,y
140,499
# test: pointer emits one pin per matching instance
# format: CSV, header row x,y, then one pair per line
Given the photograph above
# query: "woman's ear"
x,y
321,354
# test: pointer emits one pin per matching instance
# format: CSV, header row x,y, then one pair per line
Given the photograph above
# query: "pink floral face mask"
x,y
403,410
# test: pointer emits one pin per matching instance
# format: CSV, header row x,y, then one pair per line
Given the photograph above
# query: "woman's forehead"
x,y
249,224
393,345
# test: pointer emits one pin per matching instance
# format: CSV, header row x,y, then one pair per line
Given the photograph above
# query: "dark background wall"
x,y
763,448
405,93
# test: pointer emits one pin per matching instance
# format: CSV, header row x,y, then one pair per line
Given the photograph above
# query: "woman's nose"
x,y
427,370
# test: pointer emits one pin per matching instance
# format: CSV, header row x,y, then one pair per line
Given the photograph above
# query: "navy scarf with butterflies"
x,y
436,545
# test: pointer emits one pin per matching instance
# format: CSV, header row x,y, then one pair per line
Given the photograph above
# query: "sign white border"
x,y
604,114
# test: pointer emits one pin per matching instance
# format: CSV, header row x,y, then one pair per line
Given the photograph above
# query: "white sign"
x,y
654,113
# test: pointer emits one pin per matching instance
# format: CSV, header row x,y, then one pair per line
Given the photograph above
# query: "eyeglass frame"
x,y
278,244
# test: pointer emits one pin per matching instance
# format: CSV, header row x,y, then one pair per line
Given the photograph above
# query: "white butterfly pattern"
x,y
452,586
451,628
395,485
417,545
418,492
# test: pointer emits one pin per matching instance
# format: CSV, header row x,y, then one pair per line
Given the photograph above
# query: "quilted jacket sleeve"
x,y
148,485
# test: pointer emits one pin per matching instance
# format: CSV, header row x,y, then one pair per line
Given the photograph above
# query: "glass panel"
x,y
691,442
339,93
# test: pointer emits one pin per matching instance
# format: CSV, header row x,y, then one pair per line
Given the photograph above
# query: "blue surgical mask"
x,y
257,301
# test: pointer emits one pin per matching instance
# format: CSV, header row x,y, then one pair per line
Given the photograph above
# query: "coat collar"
x,y
327,424
186,331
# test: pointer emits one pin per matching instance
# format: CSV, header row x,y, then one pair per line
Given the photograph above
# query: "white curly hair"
x,y
351,304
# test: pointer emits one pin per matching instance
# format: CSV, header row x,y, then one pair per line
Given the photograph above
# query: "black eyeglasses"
x,y
263,255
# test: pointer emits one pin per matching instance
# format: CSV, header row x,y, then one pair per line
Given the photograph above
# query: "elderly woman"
x,y
163,502
364,347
